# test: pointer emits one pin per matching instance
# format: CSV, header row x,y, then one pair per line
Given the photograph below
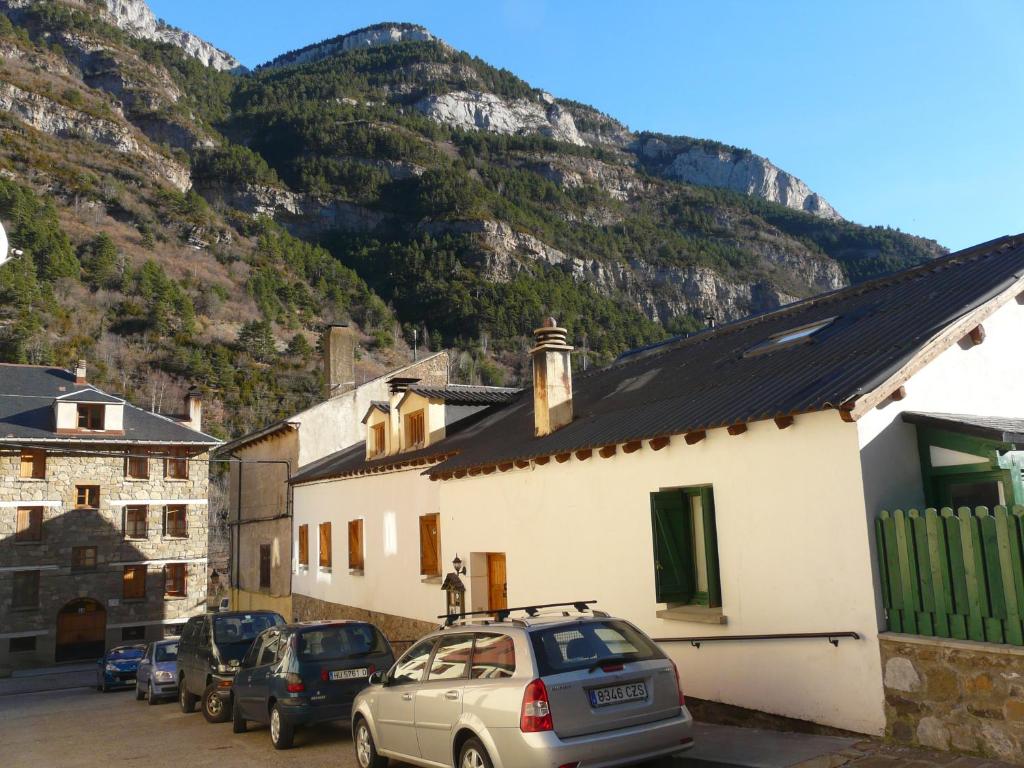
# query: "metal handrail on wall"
x,y
832,637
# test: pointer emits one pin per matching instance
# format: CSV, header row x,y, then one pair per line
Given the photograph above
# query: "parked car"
x,y
301,674
210,649
543,690
157,675
117,667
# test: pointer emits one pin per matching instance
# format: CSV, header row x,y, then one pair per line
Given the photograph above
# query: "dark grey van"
x,y
210,650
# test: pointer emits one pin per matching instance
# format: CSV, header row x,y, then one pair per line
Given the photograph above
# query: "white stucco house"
x,y
722,485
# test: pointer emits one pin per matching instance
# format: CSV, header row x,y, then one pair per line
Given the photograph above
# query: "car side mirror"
x,y
378,678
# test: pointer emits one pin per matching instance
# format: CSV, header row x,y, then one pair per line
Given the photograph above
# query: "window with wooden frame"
x,y
415,433
304,545
134,582
135,522
176,521
176,465
137,465
264,566
83,558
174,579
686,547
430,545
26,590
90,416
325,545
87,496
377,440
29,526
355,545
33,464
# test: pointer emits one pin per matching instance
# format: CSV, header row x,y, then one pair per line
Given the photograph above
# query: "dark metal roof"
x,y
376,405
998,428
465,394
89,395
27,393
713,380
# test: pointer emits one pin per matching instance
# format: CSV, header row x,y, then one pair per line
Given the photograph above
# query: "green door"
x,y
673,547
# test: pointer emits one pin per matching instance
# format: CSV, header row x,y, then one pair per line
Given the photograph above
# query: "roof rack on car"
x,y
502,614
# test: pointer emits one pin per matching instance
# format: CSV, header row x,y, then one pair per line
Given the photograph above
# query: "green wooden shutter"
x,y
707,503
673,547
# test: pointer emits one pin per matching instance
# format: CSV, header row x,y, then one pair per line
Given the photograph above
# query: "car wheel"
x,y
473,755
366,750
186,700
237,721
151,694
215,709
282,733
139,693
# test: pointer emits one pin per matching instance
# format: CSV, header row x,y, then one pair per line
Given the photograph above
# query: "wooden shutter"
x,y
355,544
707,499
674,576
430,545
29,524
33,463
134,581
325,545
303,545
174,579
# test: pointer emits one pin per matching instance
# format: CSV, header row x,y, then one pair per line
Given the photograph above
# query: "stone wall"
x,y
398,629
65,526
955,695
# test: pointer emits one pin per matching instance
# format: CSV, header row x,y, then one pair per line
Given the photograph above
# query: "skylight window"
x,y
792,336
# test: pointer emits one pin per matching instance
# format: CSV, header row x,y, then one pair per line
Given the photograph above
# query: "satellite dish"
x,y
3,246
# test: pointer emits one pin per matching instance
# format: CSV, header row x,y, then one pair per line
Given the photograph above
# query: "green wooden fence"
x,y
957,574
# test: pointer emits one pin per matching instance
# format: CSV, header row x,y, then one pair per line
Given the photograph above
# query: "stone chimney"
x,y
339,348
552,379
194,410
80,373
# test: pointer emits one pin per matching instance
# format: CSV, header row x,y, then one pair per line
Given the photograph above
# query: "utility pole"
x,y
415,338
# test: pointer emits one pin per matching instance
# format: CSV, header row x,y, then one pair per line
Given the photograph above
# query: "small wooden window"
x,y
377,444
26,590
303,545
176,521
174,579
176,465
91,416
135,522
325,545
33,464
414,430
29,525
355,545
137,465
87,496
430,545
134,581
83,558
264,566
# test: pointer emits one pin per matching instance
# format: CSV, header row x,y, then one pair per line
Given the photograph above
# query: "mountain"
x,y
187,221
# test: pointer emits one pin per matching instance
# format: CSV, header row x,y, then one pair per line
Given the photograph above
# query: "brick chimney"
x,y
194,410
80,373
552,379
339,348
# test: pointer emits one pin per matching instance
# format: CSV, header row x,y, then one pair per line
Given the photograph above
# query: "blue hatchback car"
x,y
118,667
300,674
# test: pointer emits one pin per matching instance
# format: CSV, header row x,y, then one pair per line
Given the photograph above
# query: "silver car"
x,y
545,690
157,675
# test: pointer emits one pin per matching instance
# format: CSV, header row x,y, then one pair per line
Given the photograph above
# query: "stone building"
x,y
103,517
260,498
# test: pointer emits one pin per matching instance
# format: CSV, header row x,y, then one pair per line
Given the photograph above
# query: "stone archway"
x,y
81,630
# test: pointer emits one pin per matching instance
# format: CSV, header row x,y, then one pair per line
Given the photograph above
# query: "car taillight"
x,y
294,683
679,686
536,712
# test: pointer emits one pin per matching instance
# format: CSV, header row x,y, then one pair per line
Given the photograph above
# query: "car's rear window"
x,y
566,648
347,641
168,652
242,629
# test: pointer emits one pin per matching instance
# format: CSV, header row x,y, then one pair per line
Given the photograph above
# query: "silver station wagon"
x,y
552,690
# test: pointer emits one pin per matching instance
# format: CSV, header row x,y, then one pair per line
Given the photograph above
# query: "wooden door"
x,y
81,630
497,588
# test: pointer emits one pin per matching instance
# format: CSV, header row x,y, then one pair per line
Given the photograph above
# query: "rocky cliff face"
x,y
136,18
473,110
368,37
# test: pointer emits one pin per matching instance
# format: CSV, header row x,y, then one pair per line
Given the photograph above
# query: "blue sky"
x,y
908,113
